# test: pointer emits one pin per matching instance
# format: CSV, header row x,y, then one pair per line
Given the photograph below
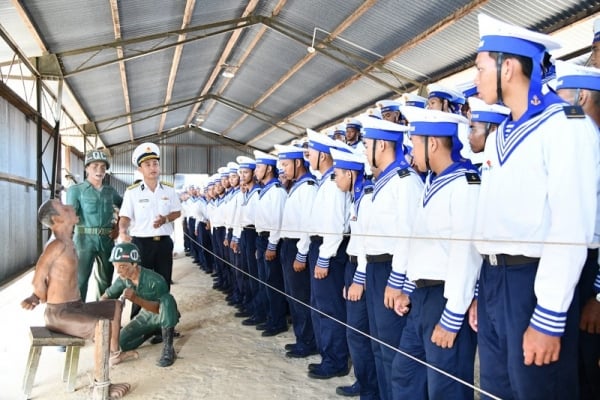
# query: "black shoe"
x,y
290,346
295,353
242,314
156,339
314,366
252,321
214,274
318,373
274,332
348,391
262,327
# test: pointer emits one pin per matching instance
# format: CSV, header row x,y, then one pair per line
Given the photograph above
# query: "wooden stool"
x,y
40,337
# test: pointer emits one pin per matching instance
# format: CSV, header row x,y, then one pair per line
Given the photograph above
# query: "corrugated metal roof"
x,y
372,50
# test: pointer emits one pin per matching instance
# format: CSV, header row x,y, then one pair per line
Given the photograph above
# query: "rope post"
x,y
101,383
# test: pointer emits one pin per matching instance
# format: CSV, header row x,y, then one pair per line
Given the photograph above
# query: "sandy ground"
x,y
218,357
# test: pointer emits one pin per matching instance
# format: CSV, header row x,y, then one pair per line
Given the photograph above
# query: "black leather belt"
x,y
154,238
316,238
264,234
353,259
379,258
421,283
507,259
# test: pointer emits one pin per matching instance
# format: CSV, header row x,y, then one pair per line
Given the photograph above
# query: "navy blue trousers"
x,y
384,324
359,344
273,276
218,249
505,305
297,286
205,240
245,279
589,344
413,380
327,298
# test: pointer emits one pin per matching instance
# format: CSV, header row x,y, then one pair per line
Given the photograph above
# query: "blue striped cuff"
x,y
272,247
323,262
396,280
549,322
359,278
476,292
451,321
301,257
597,282
408,287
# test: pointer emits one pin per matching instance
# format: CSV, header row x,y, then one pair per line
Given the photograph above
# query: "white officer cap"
x,y
353,123
289,152
385,130
573,76
482,112
145,151
246,162
233,167
596,30
388,105
264,158
348,160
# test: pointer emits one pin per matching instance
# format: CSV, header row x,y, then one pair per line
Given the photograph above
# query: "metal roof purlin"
x,y
187,16
415,41
223,59
355,15
114,9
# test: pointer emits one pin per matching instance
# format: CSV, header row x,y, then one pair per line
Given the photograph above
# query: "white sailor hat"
x,y
264,158
346,160
596,30
210,182
411,99
468,89
483,112
145,151
340,128
432,122
246,162
384,130
388,105
320,142
289,152
216,178
374,112
573,76
495,35
353,123
223,172
452,95
233,167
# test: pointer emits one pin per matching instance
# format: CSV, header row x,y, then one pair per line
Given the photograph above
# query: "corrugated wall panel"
x,y
19,205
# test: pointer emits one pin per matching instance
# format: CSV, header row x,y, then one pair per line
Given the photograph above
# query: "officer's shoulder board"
x,y
472,178
574,112
134,186
404,172
167,184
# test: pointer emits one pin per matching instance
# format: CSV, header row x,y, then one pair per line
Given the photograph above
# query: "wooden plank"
x,y
102,354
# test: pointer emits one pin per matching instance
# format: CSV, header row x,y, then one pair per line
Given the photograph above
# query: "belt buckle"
x,y
493,260
156,238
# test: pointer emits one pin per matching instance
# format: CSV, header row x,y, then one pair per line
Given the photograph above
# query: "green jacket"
x,y
94,208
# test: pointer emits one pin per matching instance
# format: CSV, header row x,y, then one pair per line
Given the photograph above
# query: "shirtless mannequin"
x,y
55,283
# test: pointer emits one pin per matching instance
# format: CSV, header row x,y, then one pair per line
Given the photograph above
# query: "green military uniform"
x,y
151,287
92,241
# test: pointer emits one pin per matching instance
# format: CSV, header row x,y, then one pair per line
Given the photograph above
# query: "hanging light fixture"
x,y
228,71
